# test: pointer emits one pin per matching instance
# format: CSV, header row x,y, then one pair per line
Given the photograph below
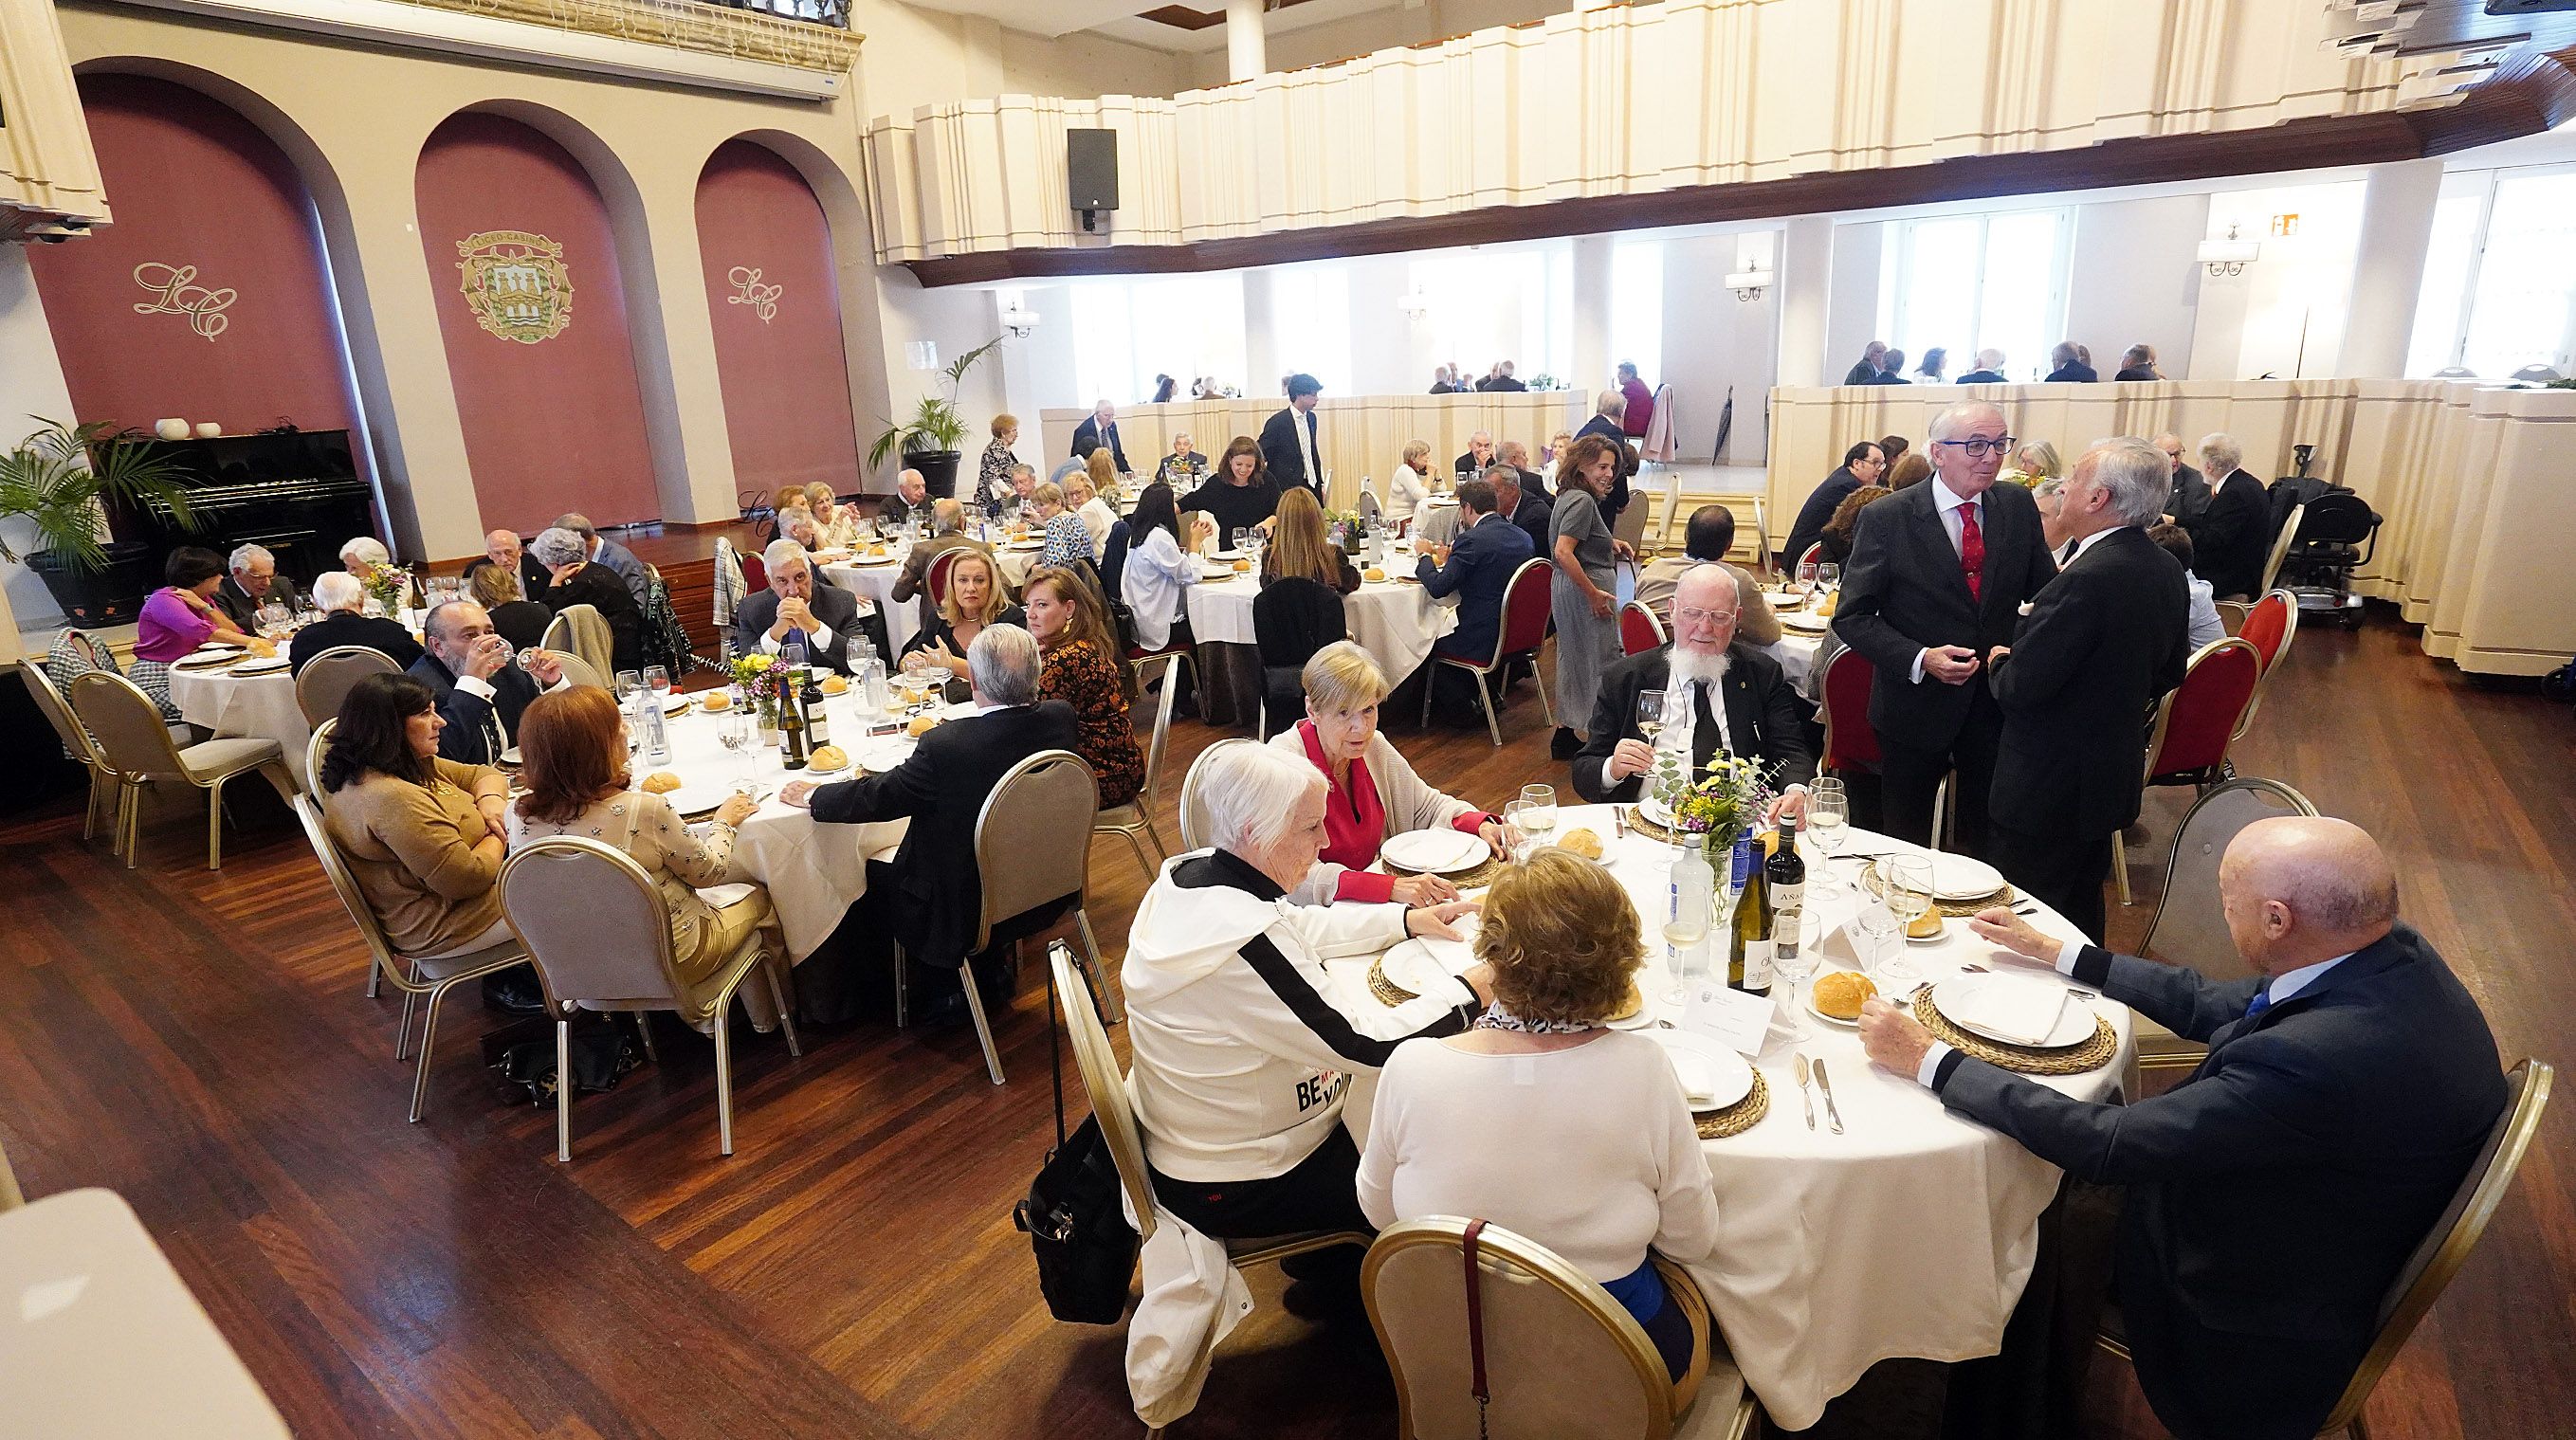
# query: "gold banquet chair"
x,y
2444,1249
76,743
594,923
134,744
1135,819
581,630
2189,928
1106,1085
415,977
1563,1360
1194,817
327,679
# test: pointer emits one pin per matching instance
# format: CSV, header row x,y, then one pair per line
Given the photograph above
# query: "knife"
x,y
1825,1083
1806,1097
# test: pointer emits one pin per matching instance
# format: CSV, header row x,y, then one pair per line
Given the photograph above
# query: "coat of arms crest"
x,y
516,284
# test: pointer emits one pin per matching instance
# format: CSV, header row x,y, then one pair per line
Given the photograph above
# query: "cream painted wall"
x,y
2134,281
1713,341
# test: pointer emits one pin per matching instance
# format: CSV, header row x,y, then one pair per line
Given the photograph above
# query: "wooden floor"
x,y
198,1043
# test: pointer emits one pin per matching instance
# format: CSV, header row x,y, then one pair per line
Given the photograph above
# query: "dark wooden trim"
x,y
2528,96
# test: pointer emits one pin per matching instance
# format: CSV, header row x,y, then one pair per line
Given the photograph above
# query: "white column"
x,y
31,383
1260,333
1247,50
1803,286
1591,316
2388,267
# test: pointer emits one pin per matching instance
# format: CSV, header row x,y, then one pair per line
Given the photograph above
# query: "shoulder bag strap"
x,y
1476,1327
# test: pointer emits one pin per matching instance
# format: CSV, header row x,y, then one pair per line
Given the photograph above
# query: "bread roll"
x,y
1840,993
1242,567
828,757
1925,925
1373,573
921,725
716,700
661,782
836,684
1582,842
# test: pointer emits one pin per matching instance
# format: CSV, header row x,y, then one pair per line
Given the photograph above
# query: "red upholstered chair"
x,y
755,572
1525,606
935,579
2196,723
1815,552
2271,623
1639,630
1850,743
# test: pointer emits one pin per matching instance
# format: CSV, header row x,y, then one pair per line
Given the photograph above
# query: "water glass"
x,y
1538,809
1828,822
1796,964
1909,898
626,684
1829,576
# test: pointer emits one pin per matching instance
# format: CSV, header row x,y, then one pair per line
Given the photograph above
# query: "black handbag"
x,y
1085,1249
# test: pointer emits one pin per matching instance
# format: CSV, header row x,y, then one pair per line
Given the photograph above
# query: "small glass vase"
x,y
767,709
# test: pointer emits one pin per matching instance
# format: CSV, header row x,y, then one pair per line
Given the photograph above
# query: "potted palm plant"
x,y
57,482
928,437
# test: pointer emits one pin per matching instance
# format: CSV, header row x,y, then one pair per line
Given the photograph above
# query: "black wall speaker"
x,y
1091,169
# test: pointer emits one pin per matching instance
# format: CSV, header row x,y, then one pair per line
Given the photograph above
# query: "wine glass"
x,y
1828,819
1794,964
1242,538
736,733
1538,810
1909,898
1684,930
626,684
1876,922
1829,576
658,680
1650,716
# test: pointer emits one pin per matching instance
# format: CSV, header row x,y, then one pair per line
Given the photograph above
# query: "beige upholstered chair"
x,y
580,671
2280,549
581,630
327,679
1194,820
314,749
2444,1249
1135,819
1563,1360
593,922
76,743
2189,929
134,744
415,977
1106,1084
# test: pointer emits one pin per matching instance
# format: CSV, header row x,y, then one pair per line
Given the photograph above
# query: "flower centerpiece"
x,y
756,680
1729,799
388,585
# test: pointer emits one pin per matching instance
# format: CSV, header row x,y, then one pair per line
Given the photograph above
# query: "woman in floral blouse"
x,y
993,479
1067,538
1072,630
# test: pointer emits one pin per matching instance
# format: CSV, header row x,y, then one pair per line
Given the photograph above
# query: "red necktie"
x,y
1972,550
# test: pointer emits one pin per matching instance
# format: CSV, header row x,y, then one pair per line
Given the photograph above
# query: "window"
x,y
2450,262
1967,283
1132,330
2498,294
1489,305
1311,317
1636,311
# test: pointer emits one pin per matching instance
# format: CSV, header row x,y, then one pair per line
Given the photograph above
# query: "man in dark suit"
x,y
1517,499
1098,432
343,601
794,609
932,894
2138,362
1477,568
1937,576
2271,1200
1891,370
1862,465
2232,536
609,556
1504,379
505,549
481,693
1866,371
1760,718
1479,455
2066,365
2189,494
2100,643
1289,449
251,581
1989,371
1606,423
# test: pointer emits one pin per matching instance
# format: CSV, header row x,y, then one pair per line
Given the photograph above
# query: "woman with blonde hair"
x,y
1067,540
2033,463
515,617
1080,667
836,526
976,599
1542,1120
993,475
1083,498
1374,793
1411,483
1301,546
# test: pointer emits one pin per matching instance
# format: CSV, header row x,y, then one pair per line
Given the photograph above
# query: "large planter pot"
x,y
938,471
110,595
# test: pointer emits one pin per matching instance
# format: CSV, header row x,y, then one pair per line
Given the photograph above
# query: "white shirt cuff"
x,y
1918,665
1931,1065
476,686
2066,958
818,638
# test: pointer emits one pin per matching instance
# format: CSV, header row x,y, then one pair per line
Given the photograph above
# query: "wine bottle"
x,y
1785,874
791,722
1748,950
818,721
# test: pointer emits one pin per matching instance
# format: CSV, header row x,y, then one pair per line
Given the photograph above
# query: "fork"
x,y
1806,1097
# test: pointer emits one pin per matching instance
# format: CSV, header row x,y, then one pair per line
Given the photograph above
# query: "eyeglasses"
x,y
1703,617
1979,447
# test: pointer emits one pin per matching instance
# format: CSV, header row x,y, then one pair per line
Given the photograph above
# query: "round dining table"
x,y
259,706
1394,619
1909,1234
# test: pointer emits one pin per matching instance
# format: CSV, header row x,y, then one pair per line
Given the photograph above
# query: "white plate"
x,y
269,666
1436,852
511,756
1229,556
675,703
1727,1076
1811,624
217,647
841,769
882,754
699,798
1964,877
1421,965
1956,998
1025,546
1807,1002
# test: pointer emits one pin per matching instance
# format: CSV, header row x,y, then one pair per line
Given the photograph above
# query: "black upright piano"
x,y
299,494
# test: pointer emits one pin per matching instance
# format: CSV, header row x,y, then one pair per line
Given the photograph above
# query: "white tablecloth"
x,y
1909,1235
1396,621
903,620
1796,651
1436,521
257,706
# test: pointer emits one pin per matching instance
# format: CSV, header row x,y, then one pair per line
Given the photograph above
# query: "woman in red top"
x,y
1375,794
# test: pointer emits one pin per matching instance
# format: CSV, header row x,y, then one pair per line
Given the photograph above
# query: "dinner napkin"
x,y
2021,1011
722,895
1697,1074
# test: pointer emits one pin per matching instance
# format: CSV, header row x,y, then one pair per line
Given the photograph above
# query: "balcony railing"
x,y
805,34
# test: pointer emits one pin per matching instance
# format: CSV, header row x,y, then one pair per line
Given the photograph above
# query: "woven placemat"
x,y
1874,883
1739,1117
2075,1059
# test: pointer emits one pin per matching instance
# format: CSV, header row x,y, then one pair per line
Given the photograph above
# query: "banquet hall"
x,y
1945,620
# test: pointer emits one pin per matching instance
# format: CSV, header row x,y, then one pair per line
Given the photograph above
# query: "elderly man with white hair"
x,y
2100,643
931,895
1989,371
2190,488
1480,454
1100,432
1244,1043
795,610
1937,577
2269,1202
1739,701
578,579
910,501
345,622
251,581
2231,538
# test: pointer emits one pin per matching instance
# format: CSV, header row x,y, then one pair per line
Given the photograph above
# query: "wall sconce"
x,y
1020,321
1749,284
2229,256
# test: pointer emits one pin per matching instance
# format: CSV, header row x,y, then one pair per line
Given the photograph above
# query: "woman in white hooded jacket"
x,y
1244,1044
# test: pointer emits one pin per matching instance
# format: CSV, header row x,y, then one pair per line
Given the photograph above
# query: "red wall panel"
x,y
558,424
251,337
768,256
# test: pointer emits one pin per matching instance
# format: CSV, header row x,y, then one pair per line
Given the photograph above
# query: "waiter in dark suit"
x,y
2232,538
822,618
932,894
2101,642
1937,577
1099,432
1759,719
2271,1200
1288,447
480,693
1477,568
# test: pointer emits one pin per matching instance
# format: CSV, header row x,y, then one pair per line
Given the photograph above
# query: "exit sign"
x,y
2285,225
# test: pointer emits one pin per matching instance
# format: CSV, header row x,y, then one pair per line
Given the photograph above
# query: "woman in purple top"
x,y
181,615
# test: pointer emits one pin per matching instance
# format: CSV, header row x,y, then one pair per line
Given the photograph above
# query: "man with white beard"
x,y
1756,716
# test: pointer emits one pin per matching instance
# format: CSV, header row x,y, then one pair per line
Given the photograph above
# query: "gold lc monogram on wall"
x,y
747,290
174,291
516,284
